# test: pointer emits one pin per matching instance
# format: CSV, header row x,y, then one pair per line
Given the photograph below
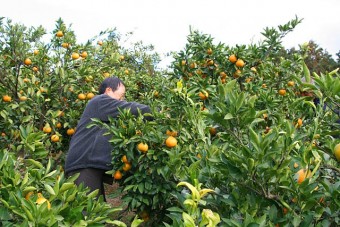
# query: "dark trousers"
x,y
93,178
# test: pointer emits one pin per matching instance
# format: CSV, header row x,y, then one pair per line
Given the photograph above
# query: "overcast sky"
x,y
165,23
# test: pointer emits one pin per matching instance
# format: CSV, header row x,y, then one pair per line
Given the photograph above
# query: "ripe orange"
x,y
117,175
143,147
282,92
193,65
126,72
26,80
337,152
75,56
106,74
203,95
36,52
28,61
121,57
55,138
65,45
171,142
240,63
124,159
59,34
210,62
35,69
183,62
84,54
70,131
296,165
89,95
100,42
58,125
209,51
6,98
171,133
28,195
264,85
290,83
299,122
82,96
156,94
212,131
127,166
302,175
237,73
223,75
47,129
232,58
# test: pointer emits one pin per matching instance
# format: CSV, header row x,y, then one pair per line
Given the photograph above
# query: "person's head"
x,y
113,87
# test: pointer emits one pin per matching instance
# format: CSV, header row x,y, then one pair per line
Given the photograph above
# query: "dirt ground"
x,y
124,215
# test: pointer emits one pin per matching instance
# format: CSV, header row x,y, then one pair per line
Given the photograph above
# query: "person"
x,y
89,152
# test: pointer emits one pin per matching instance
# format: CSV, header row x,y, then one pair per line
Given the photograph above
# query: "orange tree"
x,y
44,88
254,126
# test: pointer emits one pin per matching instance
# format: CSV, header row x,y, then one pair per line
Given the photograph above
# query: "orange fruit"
x,y
299,122
264,85
171,142
337,152
253,69
232,58
183,62
237,73
55,138
6,98
126,72
124,159
82,96
59,34
35,69
302,175
156,94
127,166
89,95
121,57
75,56
209,51
171,133
290,83
70,131
203,95
239,63
282,92
100,42
117,175
28,195
285,210
23,98
192,65
36,52
212,131
210,62
58,125
223,75
296,165
47,129
84,54
65,45
106,74
143,147
26,80
28,61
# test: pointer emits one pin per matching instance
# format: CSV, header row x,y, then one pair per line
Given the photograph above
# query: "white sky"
x,y
165,23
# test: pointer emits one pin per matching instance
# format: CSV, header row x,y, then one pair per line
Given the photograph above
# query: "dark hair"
x,y
111,82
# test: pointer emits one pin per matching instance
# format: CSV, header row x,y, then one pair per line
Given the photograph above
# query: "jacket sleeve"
x,y
110,107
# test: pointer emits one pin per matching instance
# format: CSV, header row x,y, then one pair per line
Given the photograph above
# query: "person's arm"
x,y
110,107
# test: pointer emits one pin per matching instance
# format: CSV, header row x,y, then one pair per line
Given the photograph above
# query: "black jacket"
x,y
88,147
